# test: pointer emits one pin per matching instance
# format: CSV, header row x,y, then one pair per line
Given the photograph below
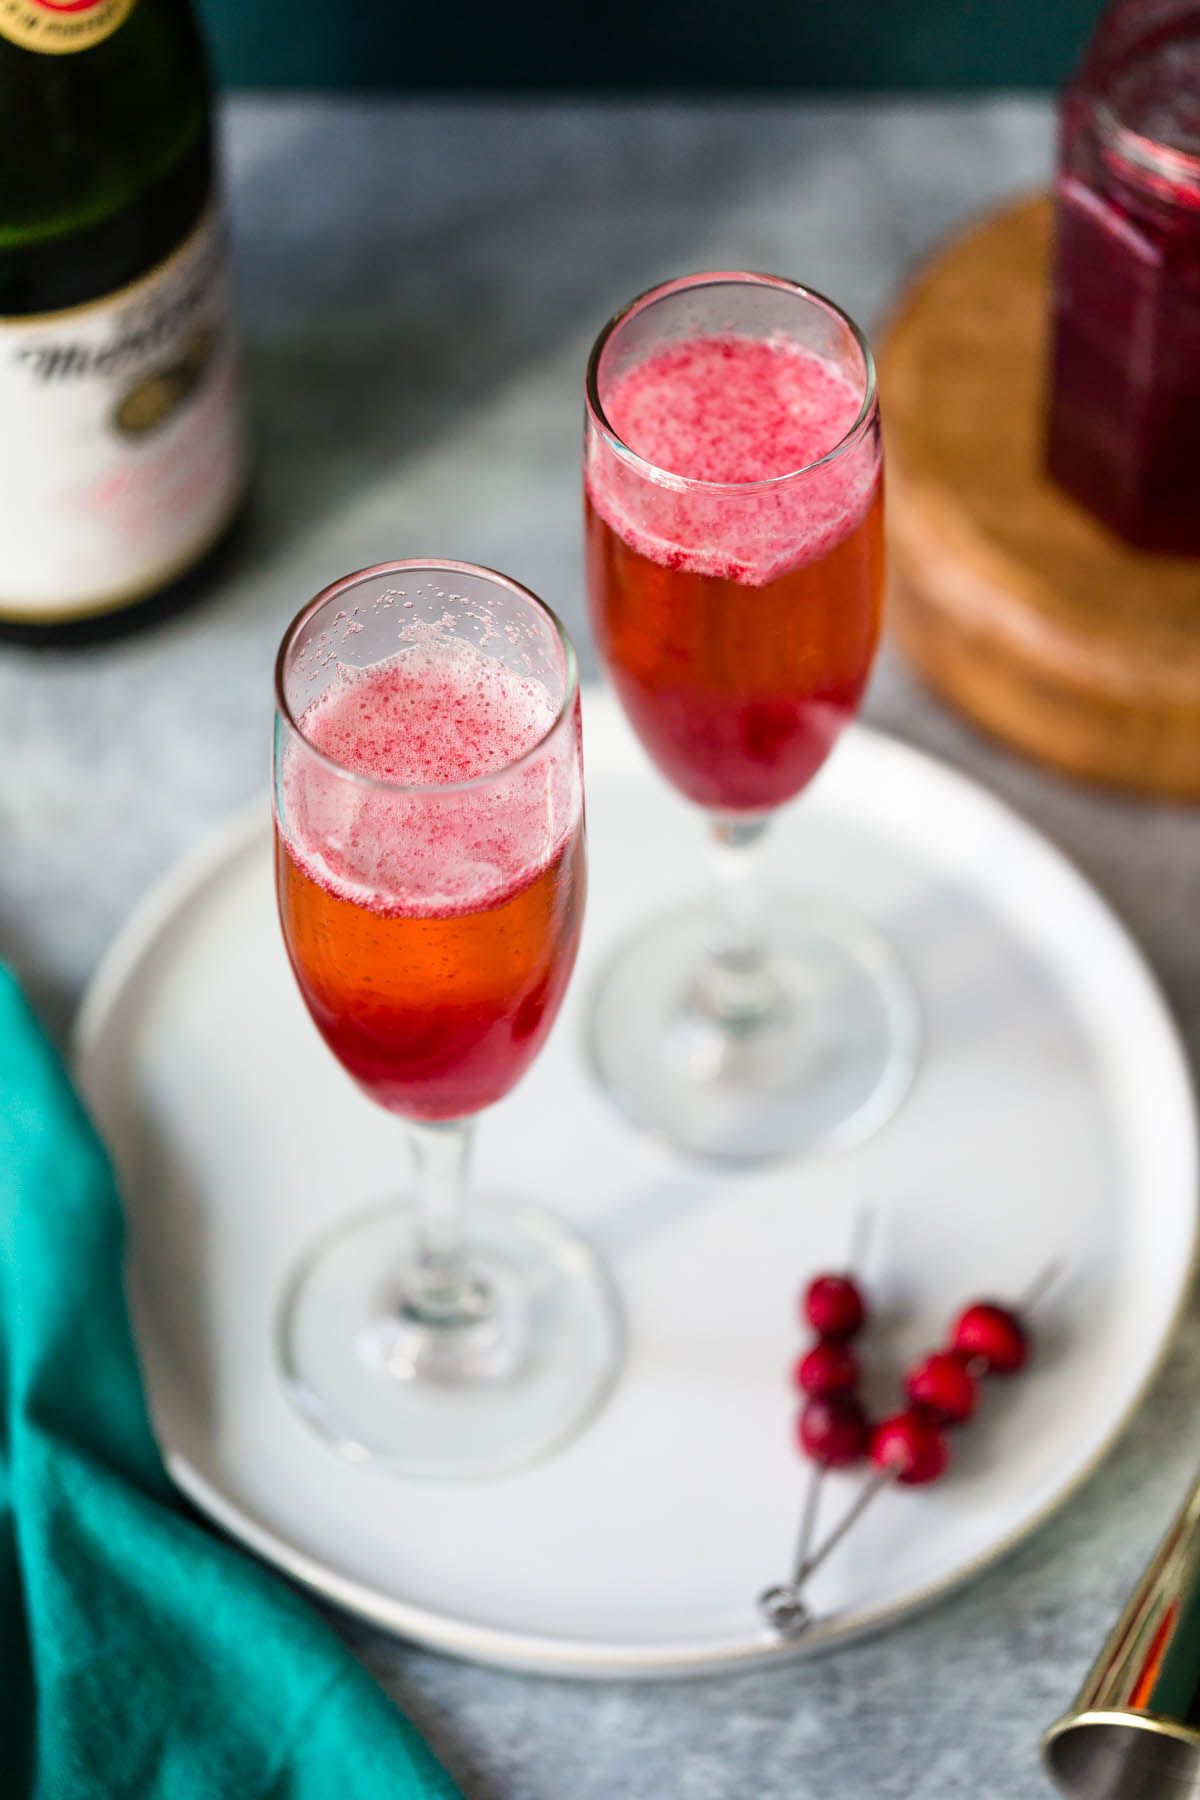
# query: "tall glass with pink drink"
x,y
734,540
430,871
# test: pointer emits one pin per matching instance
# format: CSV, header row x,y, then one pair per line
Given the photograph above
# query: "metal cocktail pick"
x,y
783,1606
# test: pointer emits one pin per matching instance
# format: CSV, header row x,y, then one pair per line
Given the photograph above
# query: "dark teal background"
x,y
632,44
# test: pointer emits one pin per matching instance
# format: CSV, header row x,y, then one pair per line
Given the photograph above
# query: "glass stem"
x,y
738,984
441,1291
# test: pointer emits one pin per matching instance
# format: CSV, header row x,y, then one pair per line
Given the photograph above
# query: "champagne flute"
x,y
430,859
734,535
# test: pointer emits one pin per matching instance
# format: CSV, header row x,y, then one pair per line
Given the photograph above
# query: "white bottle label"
x,y
122,454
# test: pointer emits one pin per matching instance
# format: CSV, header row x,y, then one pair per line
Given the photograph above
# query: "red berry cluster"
x,y
834,1430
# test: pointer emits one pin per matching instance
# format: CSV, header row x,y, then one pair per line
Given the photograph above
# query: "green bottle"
x,y
122,452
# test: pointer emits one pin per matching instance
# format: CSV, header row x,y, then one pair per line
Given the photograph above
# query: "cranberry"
x,y
830,1367
833,1432
834,1306
912,1447
994,1334
942,1386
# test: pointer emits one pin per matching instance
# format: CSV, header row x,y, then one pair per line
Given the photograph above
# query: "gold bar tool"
x,y
1133,1732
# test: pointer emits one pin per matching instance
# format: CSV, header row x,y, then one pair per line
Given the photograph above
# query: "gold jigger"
x,y
1133,1732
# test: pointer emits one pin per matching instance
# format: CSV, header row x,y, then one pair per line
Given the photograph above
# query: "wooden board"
x,y
1009,597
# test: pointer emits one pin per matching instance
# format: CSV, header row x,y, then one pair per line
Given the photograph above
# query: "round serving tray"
x,y
1051,1118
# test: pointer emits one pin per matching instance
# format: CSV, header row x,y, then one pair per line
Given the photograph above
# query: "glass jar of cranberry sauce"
x,y
1124,423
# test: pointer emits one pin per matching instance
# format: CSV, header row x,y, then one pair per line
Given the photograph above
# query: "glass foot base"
x,y
452,1403
823,1065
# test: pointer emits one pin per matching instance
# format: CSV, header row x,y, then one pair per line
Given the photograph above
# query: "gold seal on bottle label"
x,y
58,27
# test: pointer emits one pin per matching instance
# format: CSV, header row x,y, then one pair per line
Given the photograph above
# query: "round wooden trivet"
x,y
1008,596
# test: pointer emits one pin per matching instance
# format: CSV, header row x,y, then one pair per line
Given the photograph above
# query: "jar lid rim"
x,y
1148,155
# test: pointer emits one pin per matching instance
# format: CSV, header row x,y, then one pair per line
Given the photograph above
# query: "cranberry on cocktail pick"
x,y
992,1336
906,1448
995,1338
834,1306
830,1367
987,1338
944,1387
834,1432
910,1448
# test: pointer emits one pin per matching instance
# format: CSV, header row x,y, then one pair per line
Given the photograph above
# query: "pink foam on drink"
x,y
733,410
428,719
424,718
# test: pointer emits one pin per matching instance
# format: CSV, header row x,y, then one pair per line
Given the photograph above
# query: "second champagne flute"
x,y
734,532
430,872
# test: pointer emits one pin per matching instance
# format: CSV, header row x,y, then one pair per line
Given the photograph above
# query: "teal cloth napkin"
x,y
141,1657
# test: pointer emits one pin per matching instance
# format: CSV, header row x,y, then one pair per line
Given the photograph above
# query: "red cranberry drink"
x,y
734,531
430,870
433,929
736,578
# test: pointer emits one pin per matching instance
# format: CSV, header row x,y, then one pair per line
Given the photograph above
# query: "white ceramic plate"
x,y
1051,1117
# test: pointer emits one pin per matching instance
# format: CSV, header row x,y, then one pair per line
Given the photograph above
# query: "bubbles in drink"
x,y
392,821
734,410
738,622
